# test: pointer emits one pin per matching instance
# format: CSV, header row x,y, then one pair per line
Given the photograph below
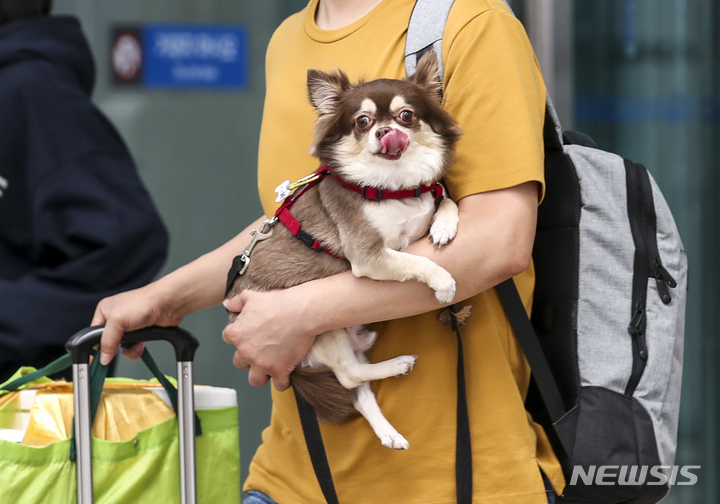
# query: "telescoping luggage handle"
x,y
80,346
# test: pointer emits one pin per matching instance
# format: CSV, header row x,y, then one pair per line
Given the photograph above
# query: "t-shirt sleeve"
x,y
494,89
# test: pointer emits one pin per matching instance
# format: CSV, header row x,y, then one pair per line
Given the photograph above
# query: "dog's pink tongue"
x,y
394,142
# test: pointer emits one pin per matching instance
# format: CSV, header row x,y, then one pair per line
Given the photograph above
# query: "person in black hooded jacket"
x,y
76,222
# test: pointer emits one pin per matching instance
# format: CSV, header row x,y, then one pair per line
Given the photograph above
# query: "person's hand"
x,y
272,333
129,311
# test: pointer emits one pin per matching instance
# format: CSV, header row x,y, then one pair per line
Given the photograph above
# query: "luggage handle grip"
x,y
184,343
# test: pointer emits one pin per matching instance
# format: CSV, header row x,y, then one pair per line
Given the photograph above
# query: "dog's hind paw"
x,y
395,441
404,364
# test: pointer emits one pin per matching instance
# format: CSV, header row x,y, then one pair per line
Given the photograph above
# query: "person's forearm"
x,y
201,283
168,300
274,330
483,254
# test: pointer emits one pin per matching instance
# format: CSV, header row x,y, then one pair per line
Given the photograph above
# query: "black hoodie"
x,y
76,223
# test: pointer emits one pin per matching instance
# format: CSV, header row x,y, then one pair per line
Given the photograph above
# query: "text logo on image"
x,y
634,475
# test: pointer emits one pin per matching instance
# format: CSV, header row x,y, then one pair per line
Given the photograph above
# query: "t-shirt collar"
x,y
328,36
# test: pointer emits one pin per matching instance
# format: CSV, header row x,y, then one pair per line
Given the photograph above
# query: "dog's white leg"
x,y
357,373
333,349
401,266
368,407
445,222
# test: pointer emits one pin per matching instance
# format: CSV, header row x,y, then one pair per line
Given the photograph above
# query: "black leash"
x,y
463,448
316,447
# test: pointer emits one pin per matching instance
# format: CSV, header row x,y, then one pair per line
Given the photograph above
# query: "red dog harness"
x,y
368,192
283,214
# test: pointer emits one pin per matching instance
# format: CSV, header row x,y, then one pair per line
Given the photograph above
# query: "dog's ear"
x,y
325,89
427,74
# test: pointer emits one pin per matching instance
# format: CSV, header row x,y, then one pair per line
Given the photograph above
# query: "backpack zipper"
x,y
664,279
637,331
648,229
647,264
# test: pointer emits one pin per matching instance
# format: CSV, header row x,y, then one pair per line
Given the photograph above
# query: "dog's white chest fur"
x,y
401,222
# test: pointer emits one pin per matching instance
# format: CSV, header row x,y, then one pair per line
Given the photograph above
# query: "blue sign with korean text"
x,y
194,56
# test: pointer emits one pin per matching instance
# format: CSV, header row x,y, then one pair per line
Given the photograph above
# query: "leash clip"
x,y
258,235
242,261
245,259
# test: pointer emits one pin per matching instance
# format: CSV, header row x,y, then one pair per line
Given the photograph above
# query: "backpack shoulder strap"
x,y
425,32
530,344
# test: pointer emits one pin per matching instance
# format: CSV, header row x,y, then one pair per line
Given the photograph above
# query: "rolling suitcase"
x,y
79,347
137,454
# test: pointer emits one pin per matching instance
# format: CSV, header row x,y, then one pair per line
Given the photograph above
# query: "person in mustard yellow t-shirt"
x,y
494,88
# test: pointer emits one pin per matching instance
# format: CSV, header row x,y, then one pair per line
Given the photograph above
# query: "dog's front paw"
x,y
395,441
444,286
442,231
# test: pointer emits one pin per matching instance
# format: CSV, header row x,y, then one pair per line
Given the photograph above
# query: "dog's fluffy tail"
x,y
332,402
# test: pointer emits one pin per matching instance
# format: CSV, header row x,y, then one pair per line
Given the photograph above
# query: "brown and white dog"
x,y
385,134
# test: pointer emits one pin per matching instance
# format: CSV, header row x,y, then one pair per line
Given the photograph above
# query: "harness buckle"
x,y
377,198
309,240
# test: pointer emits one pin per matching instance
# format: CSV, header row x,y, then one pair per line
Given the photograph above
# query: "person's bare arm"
x,y
195,286
276,329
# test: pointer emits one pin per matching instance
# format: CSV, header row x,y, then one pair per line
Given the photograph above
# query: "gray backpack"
x,y
605,343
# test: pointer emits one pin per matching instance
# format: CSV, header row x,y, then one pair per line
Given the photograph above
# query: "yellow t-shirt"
x,y
494,88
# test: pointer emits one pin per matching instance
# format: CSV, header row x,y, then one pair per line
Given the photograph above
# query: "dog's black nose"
x,y
381,132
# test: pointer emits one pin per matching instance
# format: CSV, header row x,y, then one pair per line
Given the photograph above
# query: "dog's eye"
x,y
363,121
406,116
